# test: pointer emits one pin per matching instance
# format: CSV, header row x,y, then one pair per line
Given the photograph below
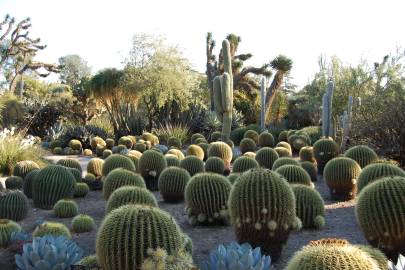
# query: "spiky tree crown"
x,y
282,63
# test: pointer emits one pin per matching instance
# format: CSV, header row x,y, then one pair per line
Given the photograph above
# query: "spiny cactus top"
x,y
95,167
362,154
7,227
22,168
284,161
70,163
252,134
266,139
242,164
221,150
325,150
130,195
195,150
295,174
377,171
120,177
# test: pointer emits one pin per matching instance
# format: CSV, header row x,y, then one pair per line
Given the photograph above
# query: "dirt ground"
x,y
340,223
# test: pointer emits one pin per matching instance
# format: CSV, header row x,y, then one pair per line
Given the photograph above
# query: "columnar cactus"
x,y
51,184
247,145
242,164
341,175
151,164
7,227
13,205
192,164
221,150
362,154
310,206
284,161
311,170
27,183
65,208
215,165
374,172
117,161
325,150
262,209
327,120
206,197
95,167
263,103
70,163
22,168
380,212
158,230
81,190
295,174
195,150
266,139
82,223
172,183
52,228
121,177
130,195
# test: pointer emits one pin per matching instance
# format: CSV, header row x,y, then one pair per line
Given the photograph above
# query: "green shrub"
x,y
14,182
362,154
130,195
174,142
65,208
215,165
115,161
192,164
82,223
120,177
151,164
242,164
374,172
295,175
172,183
13,205
51,228
7,227
266,157
164,132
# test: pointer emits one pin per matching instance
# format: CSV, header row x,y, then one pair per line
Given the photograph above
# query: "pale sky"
x,y
101,31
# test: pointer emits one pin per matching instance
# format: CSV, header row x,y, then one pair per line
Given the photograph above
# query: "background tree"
x,y
73,69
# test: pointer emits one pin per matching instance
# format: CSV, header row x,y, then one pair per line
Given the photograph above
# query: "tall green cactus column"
x,y
223,92
263,103
327,120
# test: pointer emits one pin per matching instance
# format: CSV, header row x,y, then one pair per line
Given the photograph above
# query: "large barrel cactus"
x,y
27,183
325,150
13,205
151,164
340,174
192,164
117,161
118,178
262,209
127,233
51,184
374,172
130,195
380,212
362,154
70,163
295,175
95,167
22,168
242,164
172,183
7,227
65,209
266,157
206,197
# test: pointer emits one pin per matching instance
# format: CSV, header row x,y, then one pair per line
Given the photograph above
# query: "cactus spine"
x,y
327,121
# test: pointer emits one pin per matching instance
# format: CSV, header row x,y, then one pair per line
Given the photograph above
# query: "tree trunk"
x,y
272,91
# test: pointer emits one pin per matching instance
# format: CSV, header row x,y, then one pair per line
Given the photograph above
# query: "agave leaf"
x,y
42,265
59,266
221,266
19,261
50,257
34,258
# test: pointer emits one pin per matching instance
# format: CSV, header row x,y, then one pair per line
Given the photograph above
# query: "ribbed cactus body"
x,y
97,141
52,228
262,209
195,150
105,153
172,161
325,150
374,172
82,223
362,154
252,134
125,140
282,151
340,174
141,147
284,161
307,154
130,195
311,170
109,143
87,152
75,144
233,177
215,165
282,136
117,161
158,230
295,175
249,154
177,153
22,168
215,136
375,254
196,136
266,139
7,227
172,183
70,163
221,150
65,209
192,164
13,205
81,190
51,184
380,211
27,183
95,167
76,174
206,197
121,177
204,146
151,164
309,206
14,182
242,164
286,145
247,145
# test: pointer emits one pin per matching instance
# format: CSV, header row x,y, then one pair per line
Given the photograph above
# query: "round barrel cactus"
x,y
282,136
52,183
284,161
87,152
125,140
311,170
221,150
141,147
204,146
65,208
324,150
262,209
115,161
309,206
172,183
196,136
121,177
380,211
307,154
81,190
22,168
27,183
362,154
233,177
206,197
75,144
285,145
266,157
177,153
76,174
158,230
82,223
151,164
192,164
195,150
295,175
215,136
70,163
374,172
14,182
13,205
109,143
51,228
95,167
7,227
106,153
130,195
282,151
266,139
340,174
215,165
242,164
172,160
174,142
247,145
252,134
97,141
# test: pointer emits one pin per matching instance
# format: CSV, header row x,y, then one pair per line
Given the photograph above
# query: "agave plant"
x,y
237,257
49,252
400,264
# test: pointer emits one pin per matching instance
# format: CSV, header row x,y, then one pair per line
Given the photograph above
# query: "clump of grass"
x,y
179,131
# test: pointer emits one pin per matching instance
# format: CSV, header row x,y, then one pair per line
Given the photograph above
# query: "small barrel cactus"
x,y
196,136
192,164
82,223
130,195
51,228
295,175
266,139
7,227
151,164
309,206
242,164
340,174
106,153
282,151
75,144
206,197
13,205
215,136
172,183
121,177
266,157
324,150
284,161
22,168
252,134
115,161
262,209
215,165
233,177
159,230
81,190
177,153
109,143
95,167
285,145
159,260
27,183
125,140
70,163
195,150
141,147
76,174
87,152
174,142
375,172
52,184
14,182
172,160
97,141
282,136
380,210
362,154
65,208
221,150
57,150
204,146
311,170
307,154
247,145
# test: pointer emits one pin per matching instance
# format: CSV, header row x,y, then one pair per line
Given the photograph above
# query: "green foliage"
x,y
215,165
27,183
70,163
159,230
266,157
311,169
284,161
51,228
120,177
262,209
65,208
295,174
247,145
12,113
14,182
324,150
309,206
151,164
341,175
82,223
22,168
242,164
13,205
172,183
195,150
115,161
266,139
130,195
7,227
51,184
362,154
206,198
73,70
178,131
81,190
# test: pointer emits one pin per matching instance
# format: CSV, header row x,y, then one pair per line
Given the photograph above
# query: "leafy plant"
x,y
166,131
